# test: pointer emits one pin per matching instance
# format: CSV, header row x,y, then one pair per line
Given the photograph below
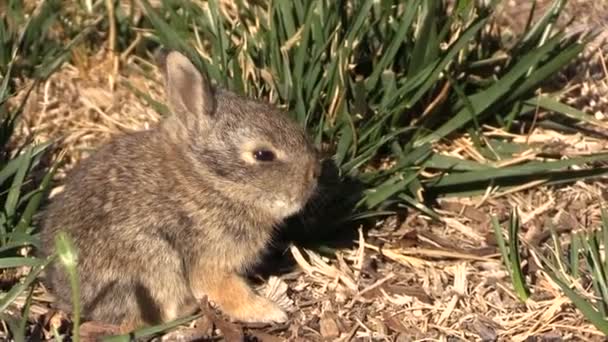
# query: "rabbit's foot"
x,y
258,310
236,299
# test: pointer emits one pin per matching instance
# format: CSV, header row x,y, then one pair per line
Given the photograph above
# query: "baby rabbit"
x,y
162,217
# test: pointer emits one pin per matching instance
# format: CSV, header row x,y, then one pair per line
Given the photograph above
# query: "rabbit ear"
x,y
188,90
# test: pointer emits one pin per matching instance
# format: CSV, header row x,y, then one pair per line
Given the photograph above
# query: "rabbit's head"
x,y
248,150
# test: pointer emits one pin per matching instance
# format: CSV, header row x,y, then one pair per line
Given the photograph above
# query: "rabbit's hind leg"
x,y
145,299
164,295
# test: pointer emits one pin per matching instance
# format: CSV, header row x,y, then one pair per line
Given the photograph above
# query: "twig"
x,y
114,58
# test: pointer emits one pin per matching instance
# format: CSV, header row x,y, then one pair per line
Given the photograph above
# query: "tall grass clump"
x,y
381,83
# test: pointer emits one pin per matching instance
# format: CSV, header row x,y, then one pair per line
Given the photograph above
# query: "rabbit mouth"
x,y
287,205
283,208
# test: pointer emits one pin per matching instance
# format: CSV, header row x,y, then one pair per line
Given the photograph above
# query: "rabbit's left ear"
x,y
189,91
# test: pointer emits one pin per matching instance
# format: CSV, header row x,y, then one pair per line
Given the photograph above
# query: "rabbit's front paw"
x,y
259,310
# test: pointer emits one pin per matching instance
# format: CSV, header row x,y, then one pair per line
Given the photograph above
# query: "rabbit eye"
x,y
264,155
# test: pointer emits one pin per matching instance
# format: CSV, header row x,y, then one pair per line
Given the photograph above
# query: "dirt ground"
x,y
408,278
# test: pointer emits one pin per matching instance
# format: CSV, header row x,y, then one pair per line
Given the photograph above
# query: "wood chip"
x,y
486,332
231,331
93,331
329,327
184,335
265,337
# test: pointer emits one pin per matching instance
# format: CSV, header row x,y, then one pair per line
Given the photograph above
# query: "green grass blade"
x,y
502,245
13,166
67,256
443,162
528,169
13,245
394,44
519,282
391,187
419,206
597,269
10,206
34,202
11,262
562,108
575,247
604,229
21,332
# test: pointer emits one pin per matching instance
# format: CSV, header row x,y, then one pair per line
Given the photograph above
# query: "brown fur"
x,y
166,216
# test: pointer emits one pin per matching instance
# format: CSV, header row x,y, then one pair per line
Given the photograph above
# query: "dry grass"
x,y
406,280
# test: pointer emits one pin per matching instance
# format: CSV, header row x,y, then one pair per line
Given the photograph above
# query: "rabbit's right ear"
x,y
188,91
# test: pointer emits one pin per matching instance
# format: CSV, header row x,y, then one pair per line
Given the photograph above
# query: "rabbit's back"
x,y
97,201
114,207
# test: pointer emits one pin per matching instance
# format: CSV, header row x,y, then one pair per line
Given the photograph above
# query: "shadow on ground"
x,y
323,225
